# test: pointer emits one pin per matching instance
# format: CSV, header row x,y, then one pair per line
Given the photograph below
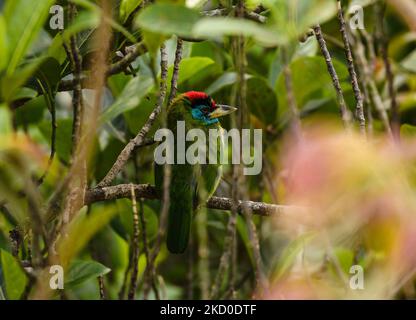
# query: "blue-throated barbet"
x,y
191,185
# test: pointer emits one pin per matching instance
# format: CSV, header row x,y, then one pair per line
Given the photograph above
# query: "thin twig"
x,y
76,60
225,257
371,85
125,154
175,74
121,65
240,184
239,94
101,287
52,110
144,231
362,78
134,247
123,288
147,191
359,109
190,274
251,15
384,44
117,67
290,97
345,112
203,253
15,241
166,175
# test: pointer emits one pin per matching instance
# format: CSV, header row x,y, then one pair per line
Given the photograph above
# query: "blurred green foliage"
x,y
33,63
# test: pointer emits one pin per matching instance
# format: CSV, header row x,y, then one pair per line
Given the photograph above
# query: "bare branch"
x,y
134,246
77,102
175,74
167,175
133,53
371,84
359,110
384,44
147,191
345,112
125,154
251,15
290,97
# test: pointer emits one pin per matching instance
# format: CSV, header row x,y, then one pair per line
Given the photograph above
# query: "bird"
x,y
191,185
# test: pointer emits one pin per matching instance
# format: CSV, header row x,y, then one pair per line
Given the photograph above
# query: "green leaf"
x,y
5,120
345,258
126,219
25,93
214,27
309,76
11,83
107,156
49,73
190,67
31,112
137,117
153,41
168,19
408,131
80,271
290,19
83,21
127,7
63,137
130,98
27,19
81,229
290,253
409,63
223,81
262,100
243,232
14,278
4,49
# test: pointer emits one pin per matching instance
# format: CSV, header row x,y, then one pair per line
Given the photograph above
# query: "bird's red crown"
x,y
198,95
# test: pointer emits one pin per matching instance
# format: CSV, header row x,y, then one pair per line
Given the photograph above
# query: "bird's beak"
x,y
221,110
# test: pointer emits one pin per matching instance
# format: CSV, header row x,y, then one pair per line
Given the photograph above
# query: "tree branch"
x,y
175,75
125,154
117,67
250,15
167,176
345,112
384,45
147,191
359,110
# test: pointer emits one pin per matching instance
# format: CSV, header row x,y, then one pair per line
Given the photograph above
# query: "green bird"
x,y
196,110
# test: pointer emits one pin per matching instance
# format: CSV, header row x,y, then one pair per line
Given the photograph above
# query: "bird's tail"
x,y
179,224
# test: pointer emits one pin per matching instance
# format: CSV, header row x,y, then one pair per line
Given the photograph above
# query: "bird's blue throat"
x,y
197,114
